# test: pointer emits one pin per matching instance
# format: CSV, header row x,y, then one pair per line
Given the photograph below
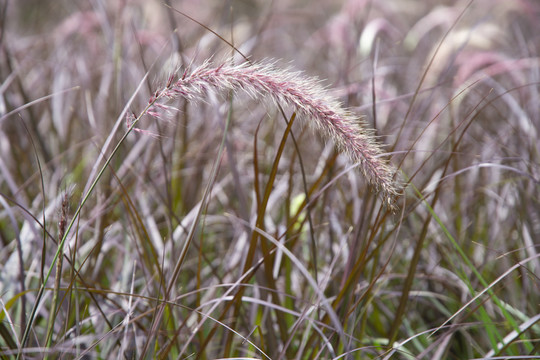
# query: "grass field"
x,y
270,179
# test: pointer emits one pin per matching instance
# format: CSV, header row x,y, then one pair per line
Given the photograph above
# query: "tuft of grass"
x,y
320,111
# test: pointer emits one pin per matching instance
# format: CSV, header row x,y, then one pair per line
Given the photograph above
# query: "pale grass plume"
x,y
305,95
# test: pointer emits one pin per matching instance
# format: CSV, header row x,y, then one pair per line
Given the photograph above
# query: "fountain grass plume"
x,y
323,113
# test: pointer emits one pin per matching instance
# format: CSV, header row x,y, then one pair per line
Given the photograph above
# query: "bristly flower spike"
x,y
323,113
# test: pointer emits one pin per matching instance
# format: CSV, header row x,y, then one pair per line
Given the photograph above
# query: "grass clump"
x,y
214,226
